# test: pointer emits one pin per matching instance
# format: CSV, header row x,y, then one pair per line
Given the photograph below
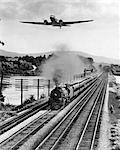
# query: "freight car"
x,y
60,96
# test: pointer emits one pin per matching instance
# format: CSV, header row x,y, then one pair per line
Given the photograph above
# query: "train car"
x,y
60,96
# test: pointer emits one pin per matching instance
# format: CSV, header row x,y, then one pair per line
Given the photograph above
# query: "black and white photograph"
x,y
59,75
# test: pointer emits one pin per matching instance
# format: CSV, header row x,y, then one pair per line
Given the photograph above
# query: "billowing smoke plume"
x,y
63,65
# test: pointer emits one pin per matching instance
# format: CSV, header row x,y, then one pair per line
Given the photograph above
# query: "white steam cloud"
x,y
63,65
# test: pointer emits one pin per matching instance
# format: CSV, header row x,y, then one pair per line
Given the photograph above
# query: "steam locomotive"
x,y
61,96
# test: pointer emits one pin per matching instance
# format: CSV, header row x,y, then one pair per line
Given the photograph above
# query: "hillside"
x,y
99,59
10,54
13,54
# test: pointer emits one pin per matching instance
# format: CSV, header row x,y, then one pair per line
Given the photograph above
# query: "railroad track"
x,y
58,134
89,137
19,138
18,119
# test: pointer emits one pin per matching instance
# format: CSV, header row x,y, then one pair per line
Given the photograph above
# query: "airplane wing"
x,y
38,23
73,22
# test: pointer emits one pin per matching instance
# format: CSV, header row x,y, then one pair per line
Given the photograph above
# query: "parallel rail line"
x,y
53,139
15,141
18,119
19,138
88,136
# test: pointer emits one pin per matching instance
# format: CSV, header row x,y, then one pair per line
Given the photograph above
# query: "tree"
x,y
90,59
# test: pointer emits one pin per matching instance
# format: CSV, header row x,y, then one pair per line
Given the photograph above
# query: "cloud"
x,y
24,9
29,9
92,8
8,9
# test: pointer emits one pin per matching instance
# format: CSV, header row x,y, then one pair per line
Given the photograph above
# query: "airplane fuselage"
x,y
55,22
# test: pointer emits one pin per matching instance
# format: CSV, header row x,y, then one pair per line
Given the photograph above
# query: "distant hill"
x,y
13,54
105,60
10,54
99,59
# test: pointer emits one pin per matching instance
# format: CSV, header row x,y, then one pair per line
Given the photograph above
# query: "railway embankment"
x,y
114,113
6,112
110,126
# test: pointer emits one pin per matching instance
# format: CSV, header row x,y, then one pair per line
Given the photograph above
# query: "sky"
x,y
100,37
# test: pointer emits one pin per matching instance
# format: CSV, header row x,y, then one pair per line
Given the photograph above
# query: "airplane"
x,y
56,22
2,43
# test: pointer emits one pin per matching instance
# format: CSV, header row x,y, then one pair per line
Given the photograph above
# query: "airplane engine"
x,y
45,22
60,22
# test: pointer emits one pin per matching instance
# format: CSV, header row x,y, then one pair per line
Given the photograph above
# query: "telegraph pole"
x,y
21,91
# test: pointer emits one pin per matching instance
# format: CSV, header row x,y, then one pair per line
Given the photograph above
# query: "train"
x,y
61,96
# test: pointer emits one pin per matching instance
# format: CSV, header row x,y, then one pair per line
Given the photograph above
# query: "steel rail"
x,y
33,131
71,122
64,119
88,120
10,124
19,143
27,131
28,125
98,118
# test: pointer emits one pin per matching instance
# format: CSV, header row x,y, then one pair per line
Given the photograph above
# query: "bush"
x,y
42,96
29,100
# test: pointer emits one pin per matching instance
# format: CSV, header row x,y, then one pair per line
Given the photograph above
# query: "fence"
x,y
22,85
17,89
